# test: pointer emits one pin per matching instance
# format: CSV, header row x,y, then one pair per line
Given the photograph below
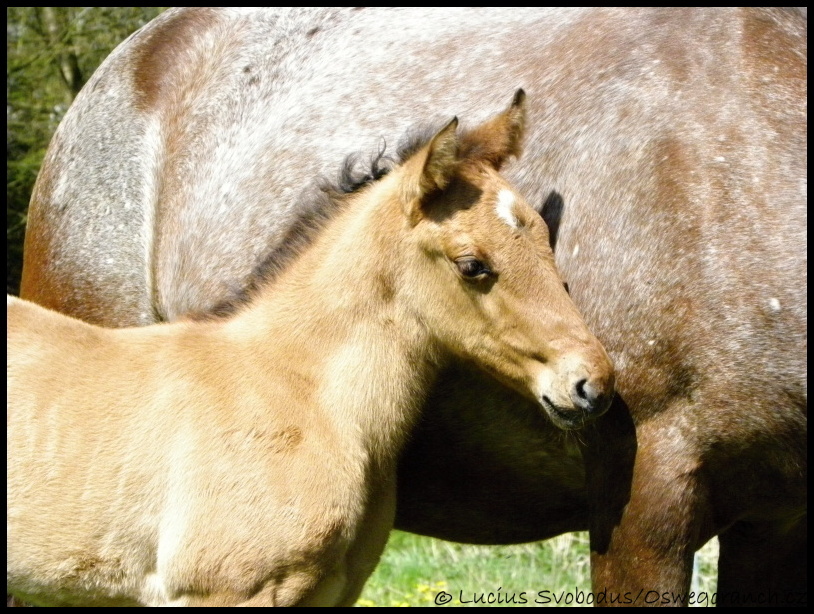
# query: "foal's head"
x,y
482,275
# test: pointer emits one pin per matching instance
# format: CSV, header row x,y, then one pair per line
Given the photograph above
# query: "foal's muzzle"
x,y
589,397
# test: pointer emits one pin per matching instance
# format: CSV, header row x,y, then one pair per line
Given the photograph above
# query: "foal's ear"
x,y
501,137
429,170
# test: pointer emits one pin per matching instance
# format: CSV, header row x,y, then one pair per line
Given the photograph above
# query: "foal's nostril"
x,y
579,388
589,397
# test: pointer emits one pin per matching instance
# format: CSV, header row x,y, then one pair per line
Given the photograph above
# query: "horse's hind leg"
x,y
763,564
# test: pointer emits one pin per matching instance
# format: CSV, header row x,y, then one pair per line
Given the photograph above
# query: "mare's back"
x,y
645,122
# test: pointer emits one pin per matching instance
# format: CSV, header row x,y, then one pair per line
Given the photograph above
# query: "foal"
x,y
252,460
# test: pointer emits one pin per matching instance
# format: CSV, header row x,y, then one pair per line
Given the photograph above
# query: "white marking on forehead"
x,y
576,250
505,202
774,304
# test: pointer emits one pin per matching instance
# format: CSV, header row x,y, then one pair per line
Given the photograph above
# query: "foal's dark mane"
x,y
329,199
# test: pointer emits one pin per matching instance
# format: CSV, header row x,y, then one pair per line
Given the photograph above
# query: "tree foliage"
x,y
51,52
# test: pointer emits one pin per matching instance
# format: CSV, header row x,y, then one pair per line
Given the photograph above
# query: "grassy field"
x,y
417,571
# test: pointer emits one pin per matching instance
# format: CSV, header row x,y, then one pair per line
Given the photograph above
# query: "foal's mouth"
x,y
563,418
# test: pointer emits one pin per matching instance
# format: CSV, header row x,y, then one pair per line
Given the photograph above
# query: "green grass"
x,y
414,569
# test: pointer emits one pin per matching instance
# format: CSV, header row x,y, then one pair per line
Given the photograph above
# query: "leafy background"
x,y
50,53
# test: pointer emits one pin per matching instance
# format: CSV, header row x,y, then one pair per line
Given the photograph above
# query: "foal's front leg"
x,y
337,583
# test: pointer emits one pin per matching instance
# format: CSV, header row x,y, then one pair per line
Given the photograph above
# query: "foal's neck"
x,y
337,316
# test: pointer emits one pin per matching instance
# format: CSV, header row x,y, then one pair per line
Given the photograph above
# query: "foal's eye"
x,y
472,268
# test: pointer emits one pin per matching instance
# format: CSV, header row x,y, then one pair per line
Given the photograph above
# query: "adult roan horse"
x,y
252,460
675,143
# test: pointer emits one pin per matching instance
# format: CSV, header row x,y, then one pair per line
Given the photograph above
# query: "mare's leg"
x,y
764,564
649,510
685,473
